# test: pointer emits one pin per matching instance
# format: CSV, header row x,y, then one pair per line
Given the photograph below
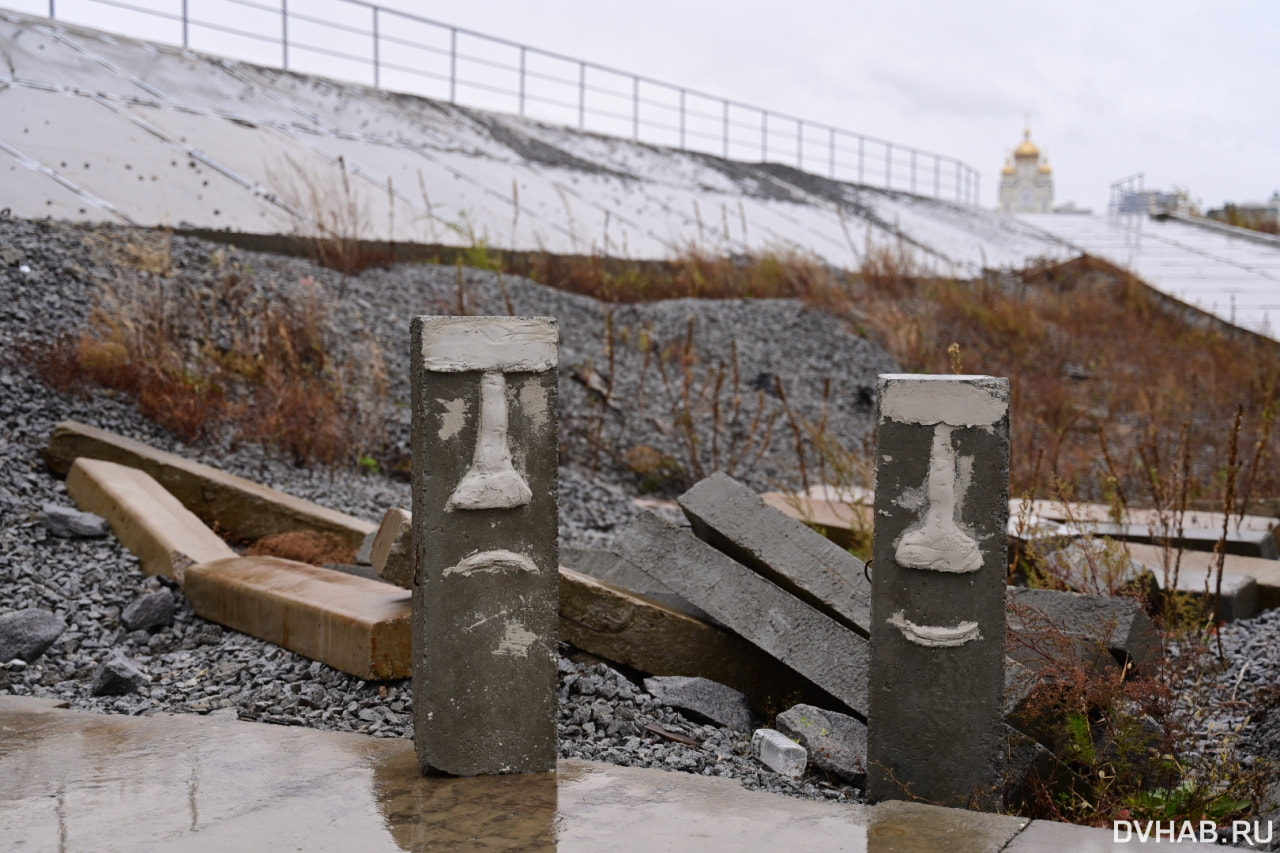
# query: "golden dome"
x,y
1044,167
1008,167
1028,149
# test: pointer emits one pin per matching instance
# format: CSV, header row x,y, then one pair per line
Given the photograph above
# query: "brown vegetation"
x,y
305,546
251,373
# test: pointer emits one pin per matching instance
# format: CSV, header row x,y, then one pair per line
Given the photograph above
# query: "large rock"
x,y
723,705
27,634
836,742
117,676
149,611
68,523
805,639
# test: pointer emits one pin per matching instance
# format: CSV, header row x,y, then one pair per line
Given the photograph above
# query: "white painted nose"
x,y
491,482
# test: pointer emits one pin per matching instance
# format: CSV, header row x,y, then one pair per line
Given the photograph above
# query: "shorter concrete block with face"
x,y
938,604
485,596
779,753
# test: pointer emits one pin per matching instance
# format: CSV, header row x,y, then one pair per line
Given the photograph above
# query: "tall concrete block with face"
x,y
937,590
486,584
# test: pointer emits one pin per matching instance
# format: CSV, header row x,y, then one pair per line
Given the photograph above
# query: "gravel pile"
x,y
50,276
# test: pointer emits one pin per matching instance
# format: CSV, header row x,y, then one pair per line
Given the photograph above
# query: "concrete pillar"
x,y
937,590
485,518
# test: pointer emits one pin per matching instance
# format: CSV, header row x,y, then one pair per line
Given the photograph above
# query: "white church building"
x,y
1026,182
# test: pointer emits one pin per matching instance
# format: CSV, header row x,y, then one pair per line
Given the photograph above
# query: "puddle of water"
x,y
79,781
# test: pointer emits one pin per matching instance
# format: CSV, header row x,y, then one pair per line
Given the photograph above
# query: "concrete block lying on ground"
x,y
242,508
1116,623
779,753
838,520
150,522
808,641
1247,543
1087,564
609,567
837,743
1249,584
723,705
1027,761
392,553
736,521
1249,535
353,624
654,637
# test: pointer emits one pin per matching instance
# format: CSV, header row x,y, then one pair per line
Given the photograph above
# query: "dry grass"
x,y
305,546
1111,384
227,369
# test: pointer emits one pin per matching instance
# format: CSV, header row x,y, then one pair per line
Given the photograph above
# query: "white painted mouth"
x,y
935,636
491,562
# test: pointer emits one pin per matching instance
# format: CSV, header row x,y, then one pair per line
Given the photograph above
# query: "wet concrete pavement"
x,y
79,781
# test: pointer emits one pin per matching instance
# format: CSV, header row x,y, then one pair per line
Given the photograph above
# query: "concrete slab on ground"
x,y
244,509
736,521
807,640
842,523
354,624
77,780
1265,572
655,637
150,522
1248,535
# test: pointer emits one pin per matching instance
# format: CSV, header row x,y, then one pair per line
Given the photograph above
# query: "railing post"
x,y
453,65
764,135
937,176
582,94
523,51
726,130
913,170
800,145
682,119
53,13
186,24
284,34
635,107
888,166
831,152
862,150
377,70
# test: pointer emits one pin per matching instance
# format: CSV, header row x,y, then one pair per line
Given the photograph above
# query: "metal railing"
x,y
357,40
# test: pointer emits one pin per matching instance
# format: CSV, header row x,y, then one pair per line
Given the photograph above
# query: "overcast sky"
x,y
1185,91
